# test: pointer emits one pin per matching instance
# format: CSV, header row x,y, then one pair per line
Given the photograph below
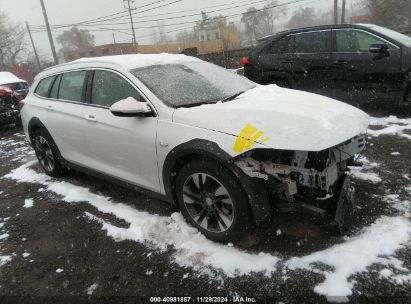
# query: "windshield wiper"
x,y
196,104
233,96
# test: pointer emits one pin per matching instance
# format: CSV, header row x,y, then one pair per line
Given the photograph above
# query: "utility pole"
x,y
34,47
343,12
131,20
46,20
335,11
114,39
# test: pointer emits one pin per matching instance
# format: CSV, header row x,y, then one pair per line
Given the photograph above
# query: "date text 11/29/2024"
x,y
206,299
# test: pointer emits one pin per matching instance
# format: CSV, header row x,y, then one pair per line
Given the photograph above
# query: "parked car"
x,y
18,85
214,143
9,106
355,63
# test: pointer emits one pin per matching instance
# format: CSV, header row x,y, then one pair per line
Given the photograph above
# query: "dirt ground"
x,y
57,235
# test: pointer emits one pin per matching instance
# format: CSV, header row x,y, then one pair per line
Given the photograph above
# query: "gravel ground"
x,y
56,251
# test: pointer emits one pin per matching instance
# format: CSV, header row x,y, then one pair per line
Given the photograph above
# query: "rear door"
x,y
276,58
312,60
60,108
360,72
124,147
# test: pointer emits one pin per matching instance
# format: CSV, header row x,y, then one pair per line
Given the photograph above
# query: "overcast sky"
x,y
72,11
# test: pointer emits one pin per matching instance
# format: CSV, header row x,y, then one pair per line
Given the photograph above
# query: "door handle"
x,y
91,118
340,62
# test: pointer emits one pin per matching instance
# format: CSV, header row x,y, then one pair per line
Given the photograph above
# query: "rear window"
x,y
43,87
71,86
313,42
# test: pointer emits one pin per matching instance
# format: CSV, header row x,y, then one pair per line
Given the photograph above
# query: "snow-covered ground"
x,y
375,244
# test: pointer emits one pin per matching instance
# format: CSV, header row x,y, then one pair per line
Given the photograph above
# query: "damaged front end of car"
x,y
317,181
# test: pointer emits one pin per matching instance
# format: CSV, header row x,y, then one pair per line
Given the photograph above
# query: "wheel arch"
x,y
199,148
36,124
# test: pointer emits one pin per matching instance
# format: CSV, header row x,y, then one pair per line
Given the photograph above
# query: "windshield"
x,y
405,40
192,83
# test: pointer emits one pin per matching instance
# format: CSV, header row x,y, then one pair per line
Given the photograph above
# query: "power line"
x,y
103,17
121,17
208,12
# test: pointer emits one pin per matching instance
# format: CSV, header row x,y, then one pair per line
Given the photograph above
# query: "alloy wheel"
x,y
208,202
44,153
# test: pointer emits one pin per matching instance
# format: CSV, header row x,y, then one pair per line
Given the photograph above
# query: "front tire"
x,y
47,153
212,199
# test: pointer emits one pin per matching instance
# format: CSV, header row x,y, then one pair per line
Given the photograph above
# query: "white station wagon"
x,y
219,146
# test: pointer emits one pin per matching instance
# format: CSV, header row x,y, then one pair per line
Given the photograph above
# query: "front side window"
x,y
192,83
313,42
71,86
352,41
43,87
108,88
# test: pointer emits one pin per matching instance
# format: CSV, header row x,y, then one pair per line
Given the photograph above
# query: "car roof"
x,y
315,28
8,78
126,62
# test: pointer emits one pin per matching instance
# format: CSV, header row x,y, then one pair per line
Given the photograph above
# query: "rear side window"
x,y
71,86
55,88
43,87
282,46
109,88
313,42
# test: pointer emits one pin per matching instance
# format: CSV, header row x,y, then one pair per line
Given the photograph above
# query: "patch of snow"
x,y
149,272
392,125
396,203
26,254
4,236
395,153
367,176
278,232
28,203
59,270
4,259
377,243
92,288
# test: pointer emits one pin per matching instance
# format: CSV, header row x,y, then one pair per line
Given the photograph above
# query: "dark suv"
x,y
355,63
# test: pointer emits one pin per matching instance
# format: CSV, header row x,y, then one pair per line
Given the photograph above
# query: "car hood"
x,y
280,119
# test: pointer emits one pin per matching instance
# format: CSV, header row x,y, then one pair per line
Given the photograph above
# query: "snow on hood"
x,y
290,119
7,78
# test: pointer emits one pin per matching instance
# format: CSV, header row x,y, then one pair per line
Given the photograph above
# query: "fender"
x,y
256,190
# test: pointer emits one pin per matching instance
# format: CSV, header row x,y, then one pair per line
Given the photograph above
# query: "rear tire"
x,y
47,153
212,199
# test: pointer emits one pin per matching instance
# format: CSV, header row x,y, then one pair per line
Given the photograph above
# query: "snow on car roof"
x,y
135,61
7,78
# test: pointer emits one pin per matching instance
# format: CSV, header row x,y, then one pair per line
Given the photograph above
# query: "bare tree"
x,y
303,17
260,23
390,13
12,43
75,39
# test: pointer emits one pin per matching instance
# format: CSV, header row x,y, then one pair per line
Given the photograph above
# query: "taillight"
x,y
5,91
245,61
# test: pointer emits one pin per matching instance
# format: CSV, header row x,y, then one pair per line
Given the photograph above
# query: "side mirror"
x,y
130,107
379,48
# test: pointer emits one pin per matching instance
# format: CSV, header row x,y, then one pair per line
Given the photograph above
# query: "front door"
x,y
360,73
124,147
